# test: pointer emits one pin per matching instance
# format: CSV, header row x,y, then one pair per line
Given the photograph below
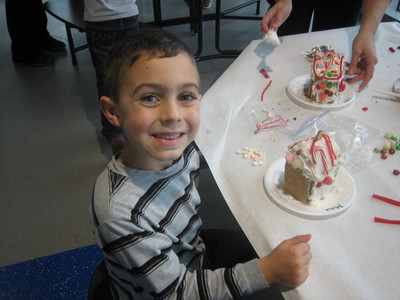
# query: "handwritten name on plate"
x,y
338,206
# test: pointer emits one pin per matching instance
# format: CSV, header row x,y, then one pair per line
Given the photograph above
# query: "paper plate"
x,y
336,203
295,93
396,86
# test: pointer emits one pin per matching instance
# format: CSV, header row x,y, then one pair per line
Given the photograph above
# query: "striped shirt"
x,y
147,224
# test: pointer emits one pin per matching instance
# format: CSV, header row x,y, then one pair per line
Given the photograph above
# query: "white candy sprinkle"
x,y
255,154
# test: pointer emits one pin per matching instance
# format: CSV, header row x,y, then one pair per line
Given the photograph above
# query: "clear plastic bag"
x,y
355,139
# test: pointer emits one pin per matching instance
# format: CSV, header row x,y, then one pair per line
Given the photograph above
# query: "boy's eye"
x,y
187,97
149,98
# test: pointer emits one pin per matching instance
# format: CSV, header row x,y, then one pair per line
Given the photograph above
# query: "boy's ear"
x,y
109,109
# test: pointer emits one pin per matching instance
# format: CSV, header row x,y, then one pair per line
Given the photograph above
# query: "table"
x,y
353,257
71,14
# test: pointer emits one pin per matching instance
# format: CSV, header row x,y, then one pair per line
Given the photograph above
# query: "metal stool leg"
x,y
71,44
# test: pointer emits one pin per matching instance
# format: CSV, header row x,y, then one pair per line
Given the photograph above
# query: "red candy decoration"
x,y
383,151
383,156
392,151
328,93
342,86
396,172
327,180
298,152
391,49
365,108
317,86
319,184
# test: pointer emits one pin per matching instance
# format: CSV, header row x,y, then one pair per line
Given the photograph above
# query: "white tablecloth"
x,y
353,257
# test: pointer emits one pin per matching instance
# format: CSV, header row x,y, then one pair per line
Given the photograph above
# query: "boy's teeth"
x,y
168,137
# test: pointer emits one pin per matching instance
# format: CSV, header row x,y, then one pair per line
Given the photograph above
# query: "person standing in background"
x,y
107,22
294,16
30,41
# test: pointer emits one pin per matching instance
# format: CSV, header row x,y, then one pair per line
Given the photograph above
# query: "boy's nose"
x,y
171,111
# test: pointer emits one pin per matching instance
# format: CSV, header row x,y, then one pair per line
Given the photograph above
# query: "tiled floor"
x,y
52,150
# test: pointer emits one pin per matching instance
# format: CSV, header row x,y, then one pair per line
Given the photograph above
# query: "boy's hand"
x,y
288,264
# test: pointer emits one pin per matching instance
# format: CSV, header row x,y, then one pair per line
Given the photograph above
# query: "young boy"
x,y
144,207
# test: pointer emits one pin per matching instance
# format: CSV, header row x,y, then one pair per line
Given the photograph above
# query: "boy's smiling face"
x,y
159,110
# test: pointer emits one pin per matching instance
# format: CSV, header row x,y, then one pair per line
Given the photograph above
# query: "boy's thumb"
x,y
304,238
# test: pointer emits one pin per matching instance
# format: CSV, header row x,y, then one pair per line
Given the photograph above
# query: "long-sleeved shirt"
x,y
147,224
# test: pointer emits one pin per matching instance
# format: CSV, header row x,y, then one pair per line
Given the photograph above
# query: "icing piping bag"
x,y
313,120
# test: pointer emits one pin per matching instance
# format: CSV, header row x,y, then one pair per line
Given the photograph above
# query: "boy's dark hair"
x,y
150,42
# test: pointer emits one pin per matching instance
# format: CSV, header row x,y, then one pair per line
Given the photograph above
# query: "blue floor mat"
x,y
60,276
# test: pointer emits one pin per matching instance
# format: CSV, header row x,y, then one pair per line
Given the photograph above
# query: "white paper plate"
x,y
295,92
337,202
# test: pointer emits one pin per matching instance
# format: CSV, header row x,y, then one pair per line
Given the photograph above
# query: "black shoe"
x,y
41,61
53,45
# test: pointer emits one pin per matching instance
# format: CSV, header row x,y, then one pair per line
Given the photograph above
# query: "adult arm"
x,y
363,57
276,15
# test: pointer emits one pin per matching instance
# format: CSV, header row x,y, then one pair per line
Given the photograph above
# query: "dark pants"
x,y
226,248
327,15
101,36
27,26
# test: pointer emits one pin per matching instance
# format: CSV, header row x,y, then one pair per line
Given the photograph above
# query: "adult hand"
x,y
288,263
363,59
276,15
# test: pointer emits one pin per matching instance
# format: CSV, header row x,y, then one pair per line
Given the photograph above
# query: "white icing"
x,y
316,171
272,38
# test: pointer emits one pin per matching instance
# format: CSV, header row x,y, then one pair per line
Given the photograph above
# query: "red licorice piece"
x,y
262,95
391,49
380,220
396,172
264,73
385,199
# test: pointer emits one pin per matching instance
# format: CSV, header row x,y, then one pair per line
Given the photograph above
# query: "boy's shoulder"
x,y
117,180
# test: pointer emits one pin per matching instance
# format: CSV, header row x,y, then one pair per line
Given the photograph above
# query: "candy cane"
x,y
320,150
330,149
331,54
